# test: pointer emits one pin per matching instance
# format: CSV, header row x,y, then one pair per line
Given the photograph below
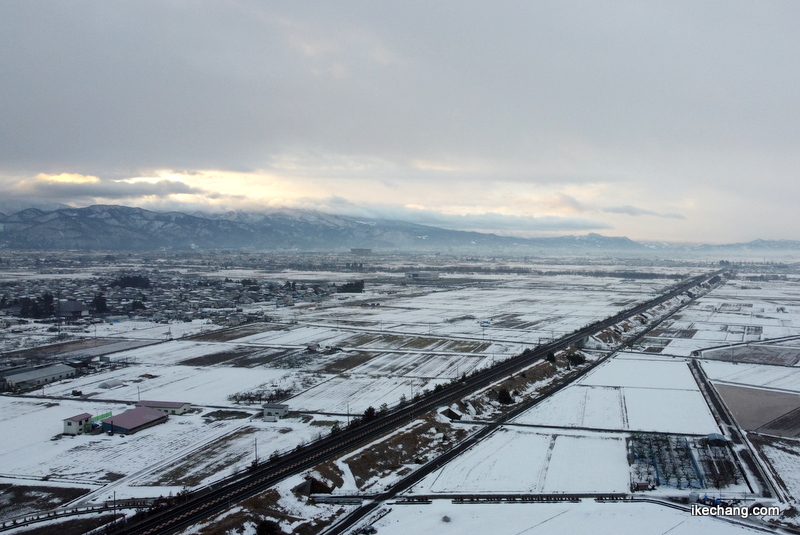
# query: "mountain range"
x,y
121,228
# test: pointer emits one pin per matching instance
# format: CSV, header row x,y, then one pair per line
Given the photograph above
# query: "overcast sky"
x,y
675,121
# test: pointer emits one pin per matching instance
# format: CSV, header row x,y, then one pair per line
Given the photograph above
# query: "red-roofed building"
x,y
78,425
133,420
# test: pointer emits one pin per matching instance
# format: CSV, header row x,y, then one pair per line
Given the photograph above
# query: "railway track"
x,y
202,504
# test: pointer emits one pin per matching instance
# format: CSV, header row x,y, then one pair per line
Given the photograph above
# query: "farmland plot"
x,y
358,393
524,461
517,519
770,377
737,312
629,392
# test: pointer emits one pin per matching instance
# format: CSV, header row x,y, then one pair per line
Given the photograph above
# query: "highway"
x,y
202,504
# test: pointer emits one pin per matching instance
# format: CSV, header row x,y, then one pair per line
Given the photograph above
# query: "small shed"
x,y
170,407
133,420
78,425
273,411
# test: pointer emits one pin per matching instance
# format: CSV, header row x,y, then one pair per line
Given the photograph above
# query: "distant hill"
x,y
121,228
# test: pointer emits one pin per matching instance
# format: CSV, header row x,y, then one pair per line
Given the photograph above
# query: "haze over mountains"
x,y
121,228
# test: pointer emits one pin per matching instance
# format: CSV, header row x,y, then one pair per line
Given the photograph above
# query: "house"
x,y
170,407
71,308
39,376
133,420
78,425
273,411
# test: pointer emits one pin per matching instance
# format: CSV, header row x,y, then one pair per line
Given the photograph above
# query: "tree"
x,y
99,303
335,429
504,397
369,414
576,359
47,304
268,527
551,357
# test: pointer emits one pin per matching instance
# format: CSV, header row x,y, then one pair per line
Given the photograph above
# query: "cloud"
x,y
69,178
634,211
486,222
75,189
665,99
561,202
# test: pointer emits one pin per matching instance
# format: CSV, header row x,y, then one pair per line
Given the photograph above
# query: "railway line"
x,y
204,503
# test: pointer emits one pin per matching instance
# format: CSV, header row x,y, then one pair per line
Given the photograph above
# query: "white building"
x,y
78,425
170,407
273,411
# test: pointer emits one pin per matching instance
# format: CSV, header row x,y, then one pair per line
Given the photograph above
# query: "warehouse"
x,y
39,376
133,420
170,407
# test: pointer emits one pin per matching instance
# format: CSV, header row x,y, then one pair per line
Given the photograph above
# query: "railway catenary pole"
x,y
206,502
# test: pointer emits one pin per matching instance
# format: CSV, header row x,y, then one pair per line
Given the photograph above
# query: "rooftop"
x,y
134,418
165,404
79,417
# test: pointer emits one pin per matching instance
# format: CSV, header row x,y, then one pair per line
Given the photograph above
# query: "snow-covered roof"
x,y
134,418
39,373
163,404
79,417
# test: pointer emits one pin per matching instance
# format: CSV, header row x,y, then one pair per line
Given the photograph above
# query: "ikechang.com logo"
x,y
743,512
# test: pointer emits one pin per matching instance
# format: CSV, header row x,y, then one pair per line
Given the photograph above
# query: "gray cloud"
x,y
634,211
105,189
42,192
684,93
493,222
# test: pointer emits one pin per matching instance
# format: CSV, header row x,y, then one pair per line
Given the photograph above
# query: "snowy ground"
x,y
190,447
735,313
630,392
419,336
778,378
515,459
358,393
546,518
199,386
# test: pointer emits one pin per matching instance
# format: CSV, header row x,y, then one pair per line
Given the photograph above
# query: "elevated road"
x,y
202,504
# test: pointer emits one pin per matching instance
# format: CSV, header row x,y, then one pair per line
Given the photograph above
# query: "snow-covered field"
x,y
191,442
737,312
517,309
516,459
419,336
769,377
358,393
632,393
784,456
541,518
199,386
